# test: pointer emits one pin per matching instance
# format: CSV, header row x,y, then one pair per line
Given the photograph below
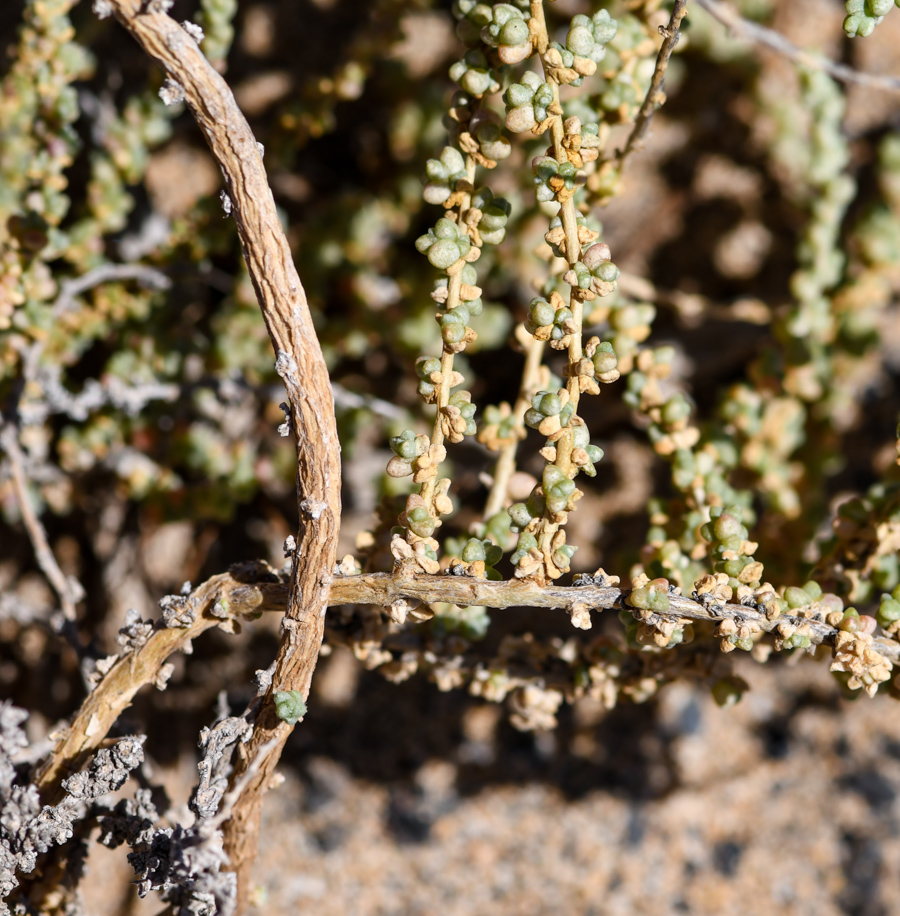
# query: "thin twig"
x,y
351,400
759,34
69,289
506,462
655,96
68,588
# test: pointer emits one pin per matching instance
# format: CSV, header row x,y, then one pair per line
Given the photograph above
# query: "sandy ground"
x,y
785,804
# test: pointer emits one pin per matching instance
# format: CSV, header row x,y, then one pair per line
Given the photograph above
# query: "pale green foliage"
x,y
163,400
864,15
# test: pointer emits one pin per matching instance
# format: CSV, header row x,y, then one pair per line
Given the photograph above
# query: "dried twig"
x,y
351,400
224,598
231,797
655,96
228,597
55,398
301,366
506,462
29,829
383,589
69,289
759,34
68,588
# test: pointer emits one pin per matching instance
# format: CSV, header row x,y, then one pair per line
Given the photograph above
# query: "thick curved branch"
x,y
299,363
216,602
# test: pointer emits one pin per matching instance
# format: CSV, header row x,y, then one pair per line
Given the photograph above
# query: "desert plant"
x,y
182,426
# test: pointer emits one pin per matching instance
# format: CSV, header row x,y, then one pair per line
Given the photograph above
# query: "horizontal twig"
x,y
55,398
759,34
382,589
225,598
351,400
106,273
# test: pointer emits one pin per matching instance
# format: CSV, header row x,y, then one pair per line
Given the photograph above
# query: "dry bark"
x,y
301,366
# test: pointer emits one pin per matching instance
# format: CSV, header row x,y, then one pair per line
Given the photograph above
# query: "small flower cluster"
x,y
550,321
731,551
489,216
643,626
477,558
529,558
529,104
444,244
552,178
569,64
864,15
508,32
443,174
588,36
474,74
651,595
889,612
595,274
859,662
555,236
549,411
472,16
484,139
499,427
